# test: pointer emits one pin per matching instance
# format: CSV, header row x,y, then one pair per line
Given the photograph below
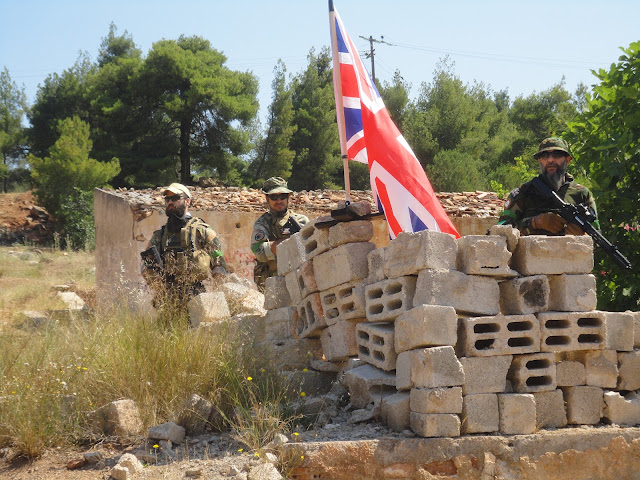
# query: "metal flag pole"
x,y
337,88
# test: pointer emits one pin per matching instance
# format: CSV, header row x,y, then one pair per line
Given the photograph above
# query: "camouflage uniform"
x,y
526,202
186,255
271,227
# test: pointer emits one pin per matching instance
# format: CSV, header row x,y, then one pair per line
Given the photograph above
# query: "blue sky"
x,y
524,46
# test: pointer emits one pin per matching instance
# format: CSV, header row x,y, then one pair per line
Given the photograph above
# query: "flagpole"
x,y
337,88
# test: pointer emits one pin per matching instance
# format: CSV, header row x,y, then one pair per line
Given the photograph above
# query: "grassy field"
x,y
53,375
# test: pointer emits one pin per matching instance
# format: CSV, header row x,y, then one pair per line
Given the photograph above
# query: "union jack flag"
x,y
368,135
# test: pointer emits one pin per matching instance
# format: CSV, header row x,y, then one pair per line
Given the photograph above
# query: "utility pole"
x,y
372,53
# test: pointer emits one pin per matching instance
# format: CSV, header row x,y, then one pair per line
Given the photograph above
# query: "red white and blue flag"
x,y
368,135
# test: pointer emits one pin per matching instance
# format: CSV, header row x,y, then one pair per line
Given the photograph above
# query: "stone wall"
x,y
125,221
484,334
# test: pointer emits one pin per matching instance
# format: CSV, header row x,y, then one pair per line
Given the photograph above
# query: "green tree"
x,y
13,106
274,155
69,166
317,163
604,140
117,47
396,98
200,106
455,171
61,96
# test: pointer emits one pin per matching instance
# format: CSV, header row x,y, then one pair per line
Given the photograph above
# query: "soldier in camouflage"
x,y
534,214
189,248
278,224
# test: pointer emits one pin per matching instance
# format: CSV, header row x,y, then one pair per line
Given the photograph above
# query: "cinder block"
x,y
290,254
344,302
310,382
375,261
622,410
485,374
276,294
550,411
517,413
428,368
342,264
208,307
601,366
293,287
367,384
375,344
436,400
512,235
426,326
498,335
470,294
534,372
564,331
520,296
620,330
306,279
480,413
390,298
279,323
572,293
484,255
350,232
310,320
339,341
314,240
394,411
570,373
585,404
291,354
435,424
636,329
629,370
550,255
409,253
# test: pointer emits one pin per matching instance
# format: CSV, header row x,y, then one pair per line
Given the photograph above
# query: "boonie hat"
x,y
275,185
176,189
552,143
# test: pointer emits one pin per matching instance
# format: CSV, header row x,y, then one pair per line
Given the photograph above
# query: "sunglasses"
x,y
556,154
278,196
172,198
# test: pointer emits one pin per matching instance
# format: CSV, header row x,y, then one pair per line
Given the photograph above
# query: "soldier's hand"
x,y
551,222
573,229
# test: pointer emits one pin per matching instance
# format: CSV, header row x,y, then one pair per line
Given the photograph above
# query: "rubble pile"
x,y
311,203
445,337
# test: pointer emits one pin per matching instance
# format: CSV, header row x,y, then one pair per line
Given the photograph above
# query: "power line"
x,y
371,53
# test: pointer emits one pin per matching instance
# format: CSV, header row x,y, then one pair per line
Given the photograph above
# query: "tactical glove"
x,y
551,222
573,229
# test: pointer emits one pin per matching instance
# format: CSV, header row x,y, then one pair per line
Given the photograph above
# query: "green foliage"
x,y
13,106
455,171
275,157
396,98
605,144
317,163
76,214
69,166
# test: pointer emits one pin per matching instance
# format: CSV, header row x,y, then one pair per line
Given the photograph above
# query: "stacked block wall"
x,y
497,333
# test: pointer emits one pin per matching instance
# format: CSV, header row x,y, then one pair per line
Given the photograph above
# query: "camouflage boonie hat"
x,y
552,143
275,185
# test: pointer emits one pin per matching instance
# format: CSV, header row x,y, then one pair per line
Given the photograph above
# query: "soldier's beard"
x,y
175,221
555,179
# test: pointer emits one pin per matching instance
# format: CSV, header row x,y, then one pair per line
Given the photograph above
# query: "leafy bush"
x,y
76,216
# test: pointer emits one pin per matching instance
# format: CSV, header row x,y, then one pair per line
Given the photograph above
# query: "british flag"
x,y
368,135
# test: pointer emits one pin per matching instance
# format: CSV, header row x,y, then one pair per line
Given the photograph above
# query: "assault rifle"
x,y
151,259
582,216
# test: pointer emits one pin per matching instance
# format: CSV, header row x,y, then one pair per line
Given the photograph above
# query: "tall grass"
x,y
53,376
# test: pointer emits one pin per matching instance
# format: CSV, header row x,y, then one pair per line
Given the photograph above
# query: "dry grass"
x,y
52,376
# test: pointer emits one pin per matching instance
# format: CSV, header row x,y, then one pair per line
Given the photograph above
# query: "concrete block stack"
x,y
484,334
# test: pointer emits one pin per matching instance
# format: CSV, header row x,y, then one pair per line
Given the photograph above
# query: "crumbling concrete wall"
x,y
123,231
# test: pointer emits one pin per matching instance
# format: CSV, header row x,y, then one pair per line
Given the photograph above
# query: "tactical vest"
x,y
187,258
